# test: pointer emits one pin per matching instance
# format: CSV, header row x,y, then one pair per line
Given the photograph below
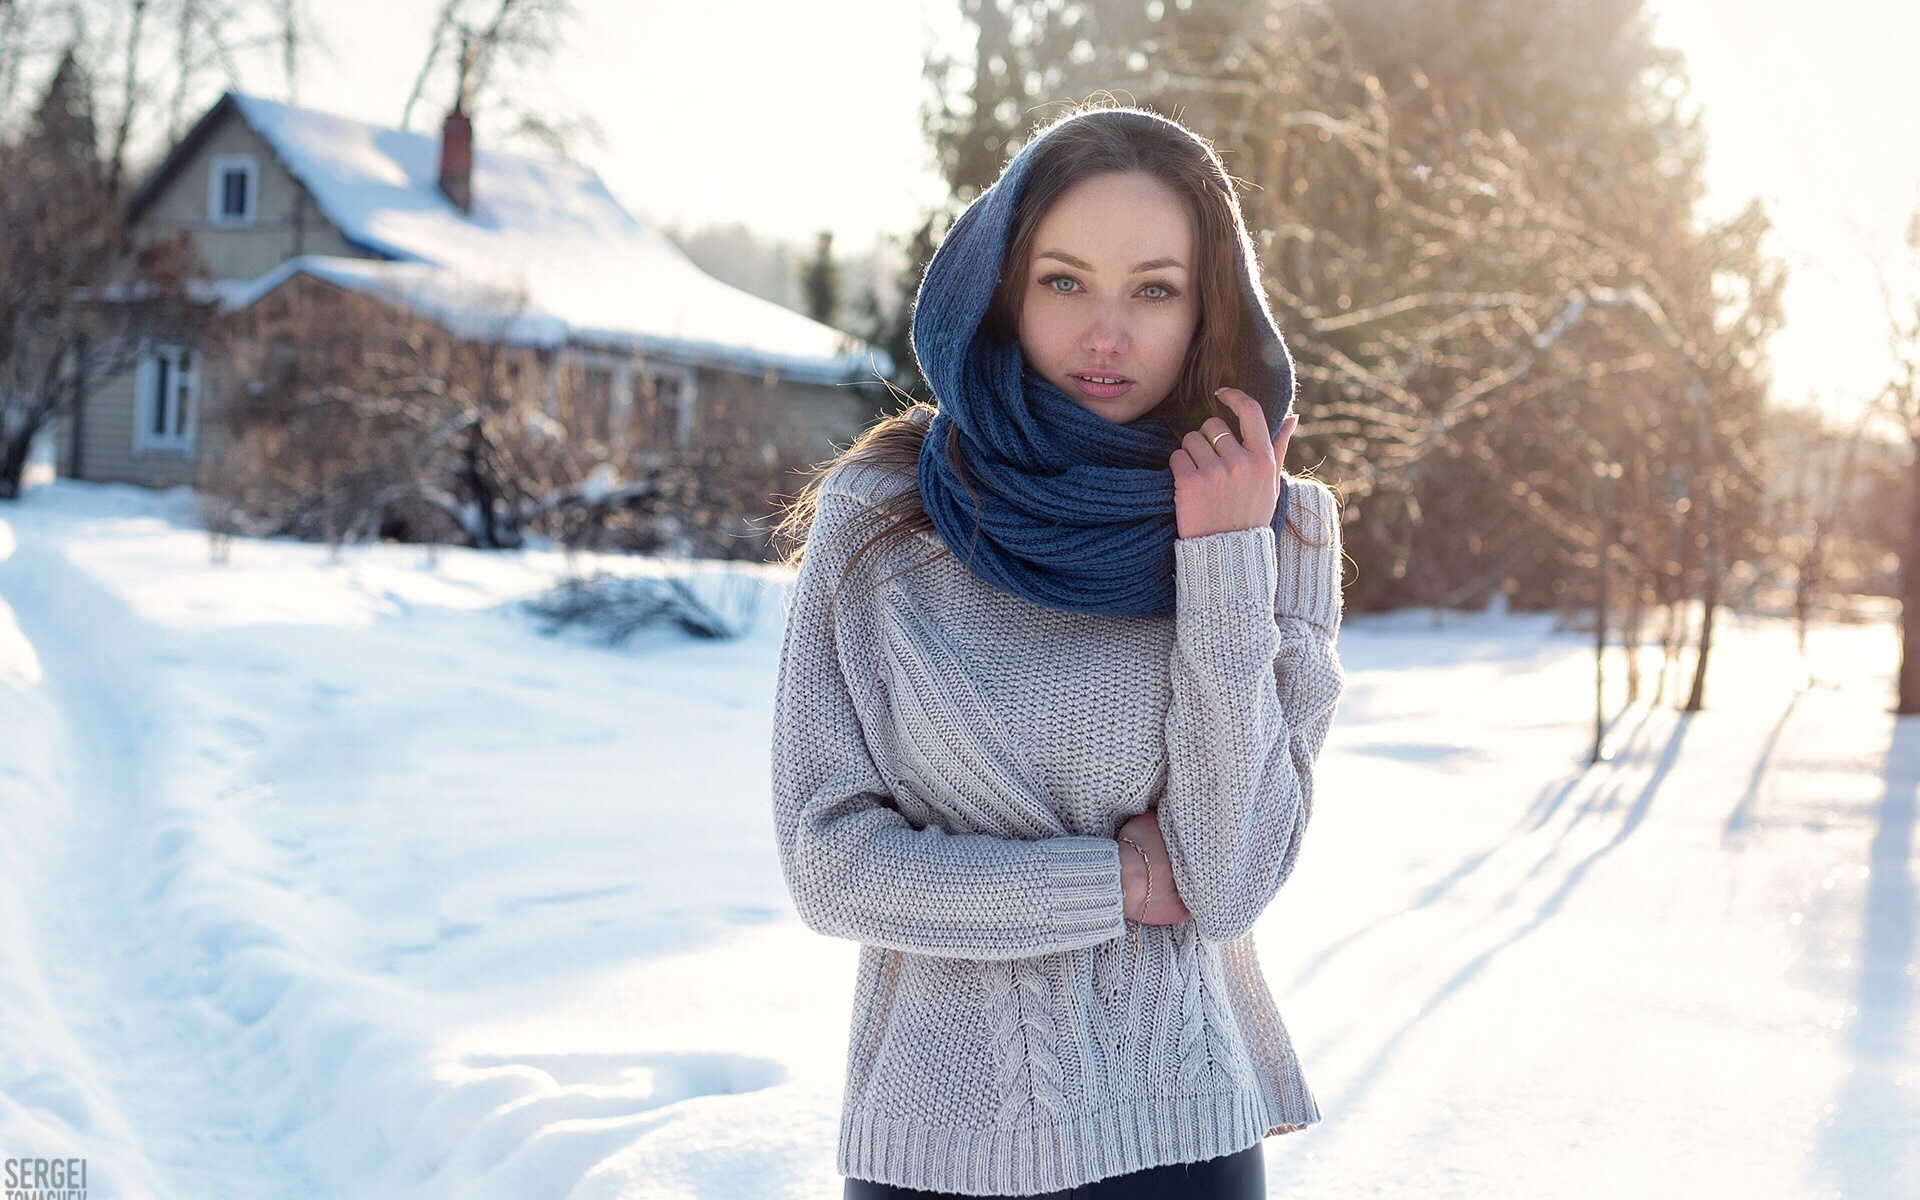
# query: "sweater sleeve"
x,y
1256,679
855,867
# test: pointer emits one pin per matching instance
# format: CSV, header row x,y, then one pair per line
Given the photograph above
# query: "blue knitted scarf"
x,y
1074,512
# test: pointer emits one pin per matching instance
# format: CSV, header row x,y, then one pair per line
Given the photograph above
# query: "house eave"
x,y
539,331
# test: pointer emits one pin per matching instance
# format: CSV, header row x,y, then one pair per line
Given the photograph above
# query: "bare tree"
x,y
1901,397
354,418
1526,374
479,51
75,300
1818,548
153,63
1484,336
17,18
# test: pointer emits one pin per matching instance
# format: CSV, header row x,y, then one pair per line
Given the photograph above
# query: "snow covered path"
x,y
336,878
107,972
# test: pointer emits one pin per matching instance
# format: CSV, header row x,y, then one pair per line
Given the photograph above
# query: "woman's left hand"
x,y
1232,482
1149,895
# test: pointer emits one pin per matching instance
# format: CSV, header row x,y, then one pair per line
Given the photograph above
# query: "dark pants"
x,y
1241,1176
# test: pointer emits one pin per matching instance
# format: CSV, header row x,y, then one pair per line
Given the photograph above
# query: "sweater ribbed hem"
x,y
1309,576
1028,1159
1083,877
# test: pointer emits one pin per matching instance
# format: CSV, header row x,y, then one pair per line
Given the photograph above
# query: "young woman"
x,y
1059,659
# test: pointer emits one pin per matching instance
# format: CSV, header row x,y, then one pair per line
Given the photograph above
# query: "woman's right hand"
x,y
1166,907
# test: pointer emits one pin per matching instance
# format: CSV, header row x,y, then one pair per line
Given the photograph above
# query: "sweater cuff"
x,y
1226,572
1083,877
1309,576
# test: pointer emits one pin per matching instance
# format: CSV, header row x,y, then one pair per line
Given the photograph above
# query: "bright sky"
x,y
800,115
1815,108
790,115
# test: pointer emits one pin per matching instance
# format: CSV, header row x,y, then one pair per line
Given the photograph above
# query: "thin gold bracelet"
x,y
1149,896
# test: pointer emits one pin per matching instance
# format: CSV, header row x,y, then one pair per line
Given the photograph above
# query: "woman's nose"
x,y
1106,333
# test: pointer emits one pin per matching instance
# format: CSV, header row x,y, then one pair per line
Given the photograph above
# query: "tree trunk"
x,y
13,462
485,536
1909,699
1710,564
1709,601
1601,617
1696,698
1803,592
1632,625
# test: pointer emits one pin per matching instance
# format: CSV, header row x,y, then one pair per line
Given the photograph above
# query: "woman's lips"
x,y
1095,384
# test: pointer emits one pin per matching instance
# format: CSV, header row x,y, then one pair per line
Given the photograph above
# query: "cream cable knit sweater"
x,y
950,766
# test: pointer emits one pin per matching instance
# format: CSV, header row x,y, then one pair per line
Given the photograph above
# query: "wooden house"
x,y
629,339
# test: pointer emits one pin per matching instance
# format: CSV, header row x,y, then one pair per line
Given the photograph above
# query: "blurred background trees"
x,y
1531,365
487,53
75,299
1901,401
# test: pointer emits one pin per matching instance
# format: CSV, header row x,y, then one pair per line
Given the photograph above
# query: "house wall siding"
x,y
836,415
286,223
816,420
63,464
106,446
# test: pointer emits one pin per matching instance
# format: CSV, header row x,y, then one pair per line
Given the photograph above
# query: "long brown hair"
x,y
1110,140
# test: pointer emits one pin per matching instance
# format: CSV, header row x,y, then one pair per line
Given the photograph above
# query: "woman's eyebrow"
x,y
1152,264
1066,258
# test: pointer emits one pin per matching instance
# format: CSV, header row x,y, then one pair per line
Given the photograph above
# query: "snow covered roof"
x,y
467,307
547,255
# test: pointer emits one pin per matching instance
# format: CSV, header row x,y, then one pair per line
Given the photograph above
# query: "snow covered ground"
x,y
336,878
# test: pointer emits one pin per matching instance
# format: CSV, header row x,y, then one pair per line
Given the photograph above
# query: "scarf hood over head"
x,y
1068,509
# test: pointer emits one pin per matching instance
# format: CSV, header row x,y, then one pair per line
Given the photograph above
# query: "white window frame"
x,y
620,420
224,164
178,411
683,400
577,365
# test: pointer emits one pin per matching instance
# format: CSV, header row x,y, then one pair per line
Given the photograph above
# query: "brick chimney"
x,y
456,159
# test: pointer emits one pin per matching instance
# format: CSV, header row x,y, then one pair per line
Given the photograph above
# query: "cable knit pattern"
x,y
1107,968
951,764
1193,1056
1023,1042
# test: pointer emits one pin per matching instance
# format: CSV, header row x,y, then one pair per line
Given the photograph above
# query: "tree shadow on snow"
x,y
1375,1069
1630,746
1741,818
1870,1146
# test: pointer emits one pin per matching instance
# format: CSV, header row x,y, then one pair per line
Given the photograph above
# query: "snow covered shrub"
x,y
350,419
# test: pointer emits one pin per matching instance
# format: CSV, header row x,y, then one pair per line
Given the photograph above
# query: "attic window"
x,y
233,189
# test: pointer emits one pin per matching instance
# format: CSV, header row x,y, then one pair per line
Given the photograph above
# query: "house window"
x,y
596,403
672,390
167,382
233,189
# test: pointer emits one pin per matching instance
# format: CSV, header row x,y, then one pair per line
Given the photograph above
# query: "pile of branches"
x,y
613,608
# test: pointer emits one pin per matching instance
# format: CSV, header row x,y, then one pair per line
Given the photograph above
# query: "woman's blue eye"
x,y
1067,285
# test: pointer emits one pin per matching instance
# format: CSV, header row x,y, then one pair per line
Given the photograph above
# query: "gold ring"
x,y
1214,441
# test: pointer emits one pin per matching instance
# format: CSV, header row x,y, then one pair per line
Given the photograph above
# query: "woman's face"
x,y
1110,309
